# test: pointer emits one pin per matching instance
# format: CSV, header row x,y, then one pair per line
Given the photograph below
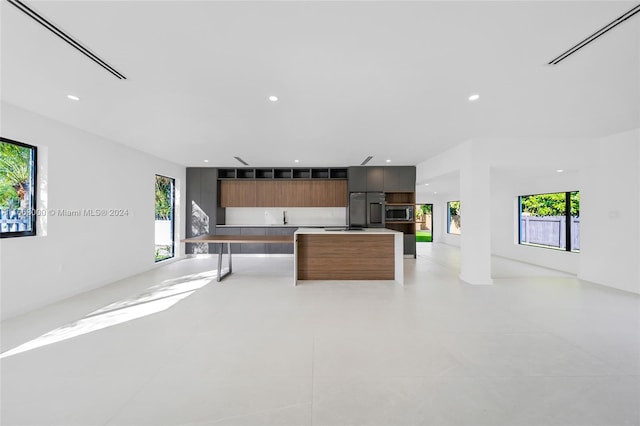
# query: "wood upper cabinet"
x,y
268,193
238,193
294,194
330,193
309,193
284,193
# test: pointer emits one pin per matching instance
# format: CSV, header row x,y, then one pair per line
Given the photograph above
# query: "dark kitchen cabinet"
x,y
382,179
252,247
227,230
258,248
280,248
357,179
409,244
375,179
400,179
201,207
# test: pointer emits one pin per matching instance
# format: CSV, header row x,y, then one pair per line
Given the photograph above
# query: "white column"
x,y
439,216
475,216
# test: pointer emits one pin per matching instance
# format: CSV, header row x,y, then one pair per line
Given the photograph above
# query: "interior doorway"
x,y
424,223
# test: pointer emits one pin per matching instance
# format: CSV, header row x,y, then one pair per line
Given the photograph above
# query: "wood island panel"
x,y
345,257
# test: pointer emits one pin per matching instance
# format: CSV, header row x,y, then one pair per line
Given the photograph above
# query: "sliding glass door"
x,y
424,223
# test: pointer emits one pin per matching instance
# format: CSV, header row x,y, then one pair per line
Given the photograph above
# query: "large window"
x,y
550,220
165,211
453,217
17,189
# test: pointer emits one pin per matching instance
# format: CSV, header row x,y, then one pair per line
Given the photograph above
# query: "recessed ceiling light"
x,y
73,97
426,184
273,98
474,97
296,161
206,161
435,192
388,161
559,170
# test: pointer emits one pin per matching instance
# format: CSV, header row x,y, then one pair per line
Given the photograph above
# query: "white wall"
x,y
441,171
78,254
611,246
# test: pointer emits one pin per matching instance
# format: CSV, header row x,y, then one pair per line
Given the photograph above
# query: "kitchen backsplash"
x,y
295,215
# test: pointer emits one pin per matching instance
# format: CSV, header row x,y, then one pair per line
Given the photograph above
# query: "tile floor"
x,y
537,348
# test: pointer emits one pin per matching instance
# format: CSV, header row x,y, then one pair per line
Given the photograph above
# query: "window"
x,y
17,189
453,217
165,210
550,220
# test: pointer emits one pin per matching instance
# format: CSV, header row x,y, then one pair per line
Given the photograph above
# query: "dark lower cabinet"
x,y
225,230
252,248
409,244
280,248
258,248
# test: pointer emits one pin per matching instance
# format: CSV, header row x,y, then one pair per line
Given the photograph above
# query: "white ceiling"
x,y
388,79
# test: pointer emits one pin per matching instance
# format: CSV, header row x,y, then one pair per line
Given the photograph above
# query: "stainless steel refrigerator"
x,y
366,210
357,210
375,209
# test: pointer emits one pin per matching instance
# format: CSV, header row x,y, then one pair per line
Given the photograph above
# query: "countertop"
x,y
346,231
276,225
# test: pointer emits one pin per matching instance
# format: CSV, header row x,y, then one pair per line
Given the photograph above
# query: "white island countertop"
x,y
277,225
333,230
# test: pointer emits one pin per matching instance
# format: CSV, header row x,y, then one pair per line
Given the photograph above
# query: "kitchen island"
x,y
367,254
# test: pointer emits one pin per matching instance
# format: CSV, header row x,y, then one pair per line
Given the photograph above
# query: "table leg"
x,y
220,250
219,277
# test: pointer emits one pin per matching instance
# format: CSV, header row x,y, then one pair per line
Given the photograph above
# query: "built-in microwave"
x,y
399,213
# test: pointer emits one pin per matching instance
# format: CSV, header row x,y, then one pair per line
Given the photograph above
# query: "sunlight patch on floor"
x,y
155,299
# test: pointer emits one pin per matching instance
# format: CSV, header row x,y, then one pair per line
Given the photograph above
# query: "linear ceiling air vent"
x,y
595,35
68,39
366,160
241,160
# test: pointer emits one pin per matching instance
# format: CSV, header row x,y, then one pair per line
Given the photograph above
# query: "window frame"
x,y
449,217
34,188
173,217
567,214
